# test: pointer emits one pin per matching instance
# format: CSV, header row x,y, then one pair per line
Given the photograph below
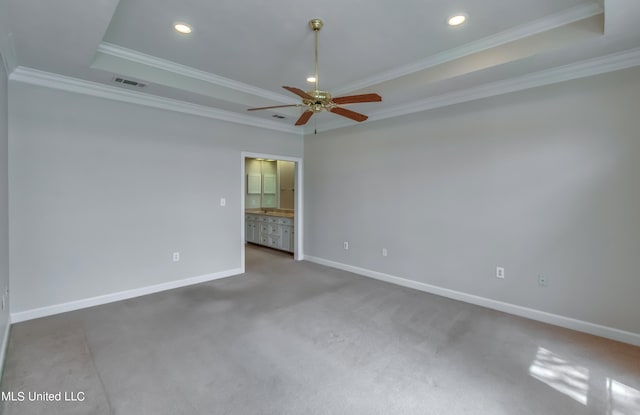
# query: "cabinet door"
x,y
254,232
285,241
250,227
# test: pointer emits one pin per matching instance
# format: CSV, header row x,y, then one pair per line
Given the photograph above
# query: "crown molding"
x,y
607,63
590,67
8,53
79,86
187,71
571,15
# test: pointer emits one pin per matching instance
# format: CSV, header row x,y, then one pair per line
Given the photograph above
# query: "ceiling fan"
x,y
317,101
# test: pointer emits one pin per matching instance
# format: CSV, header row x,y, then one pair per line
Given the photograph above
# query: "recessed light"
x,y
456,20
182,28
311,79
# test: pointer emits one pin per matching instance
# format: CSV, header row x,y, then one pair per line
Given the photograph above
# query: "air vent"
x,y
280,117
128,82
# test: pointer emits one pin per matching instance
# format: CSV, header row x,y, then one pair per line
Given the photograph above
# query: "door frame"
x,y
298,252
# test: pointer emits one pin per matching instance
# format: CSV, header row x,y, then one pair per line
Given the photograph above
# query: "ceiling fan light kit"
x,y
316,100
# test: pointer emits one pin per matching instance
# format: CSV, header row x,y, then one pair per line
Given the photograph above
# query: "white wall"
x,y
4,210
541,182
103,192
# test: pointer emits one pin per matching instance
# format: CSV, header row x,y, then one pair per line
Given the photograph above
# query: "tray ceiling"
x,y
240,54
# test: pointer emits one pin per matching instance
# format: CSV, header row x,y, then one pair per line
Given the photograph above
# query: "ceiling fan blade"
x,y
356,116
354,99
304,118
299,92
275,106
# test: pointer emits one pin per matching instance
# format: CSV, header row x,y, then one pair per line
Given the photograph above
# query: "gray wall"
x,y
103,192
4,199
540,182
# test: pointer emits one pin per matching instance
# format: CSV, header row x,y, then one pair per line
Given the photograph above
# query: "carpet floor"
x,y
298,338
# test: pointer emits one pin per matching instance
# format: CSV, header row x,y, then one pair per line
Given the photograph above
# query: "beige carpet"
x,y
299,338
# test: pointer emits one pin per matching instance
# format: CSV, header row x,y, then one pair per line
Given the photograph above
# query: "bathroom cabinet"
x,y
269,230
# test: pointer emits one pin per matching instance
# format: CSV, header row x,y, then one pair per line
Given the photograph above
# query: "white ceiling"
x,y
240,54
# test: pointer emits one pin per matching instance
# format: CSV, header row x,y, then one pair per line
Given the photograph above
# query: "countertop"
x,y
270,212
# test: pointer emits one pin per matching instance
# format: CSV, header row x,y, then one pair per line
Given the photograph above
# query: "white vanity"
x,y
272,229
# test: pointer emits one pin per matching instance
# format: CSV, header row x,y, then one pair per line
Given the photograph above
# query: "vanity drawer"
x,y
274,229
274,241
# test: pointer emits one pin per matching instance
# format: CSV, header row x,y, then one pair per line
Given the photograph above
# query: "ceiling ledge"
x,y
590,67
554,21
8,52
187,71
64,83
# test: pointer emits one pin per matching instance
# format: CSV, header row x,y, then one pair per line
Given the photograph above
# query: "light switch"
x,y
223,202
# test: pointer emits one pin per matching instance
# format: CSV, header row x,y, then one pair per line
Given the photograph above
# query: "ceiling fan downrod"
x,y
316,25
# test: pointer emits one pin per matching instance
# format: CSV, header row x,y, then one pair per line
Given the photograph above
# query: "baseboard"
x,y
530,313
5,344
118,296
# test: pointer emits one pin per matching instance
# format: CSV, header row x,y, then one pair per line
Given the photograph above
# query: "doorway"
x,y
271,207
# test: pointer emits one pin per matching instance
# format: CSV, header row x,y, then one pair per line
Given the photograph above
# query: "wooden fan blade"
x,y
354,99
275,106
304,118
356,116
299,92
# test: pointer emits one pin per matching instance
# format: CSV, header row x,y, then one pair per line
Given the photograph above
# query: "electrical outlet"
x,y
542,281
499,272
384,252
176,256
345,245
